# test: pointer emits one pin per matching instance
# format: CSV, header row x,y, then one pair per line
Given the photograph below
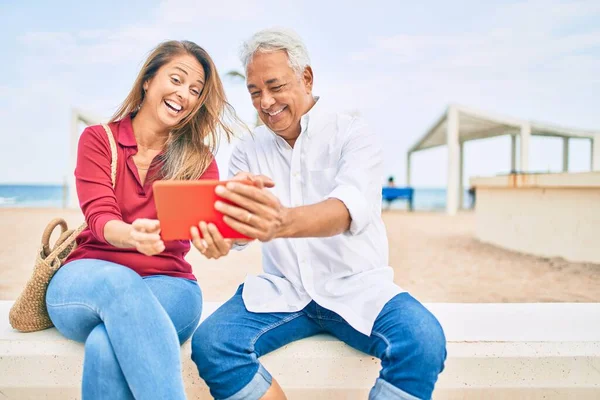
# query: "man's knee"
x,y
430,344
203,345
415,357
425,344
211,344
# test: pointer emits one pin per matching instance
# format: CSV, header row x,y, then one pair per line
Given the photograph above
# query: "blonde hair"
x,y
192,143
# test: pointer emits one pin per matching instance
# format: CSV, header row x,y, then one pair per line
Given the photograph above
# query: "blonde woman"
x,y
129,296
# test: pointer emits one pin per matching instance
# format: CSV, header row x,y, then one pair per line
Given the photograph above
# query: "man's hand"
x,y
145,236
257,213
212,244
260,181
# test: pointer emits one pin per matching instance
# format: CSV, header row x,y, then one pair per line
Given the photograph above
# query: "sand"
x,y
435,257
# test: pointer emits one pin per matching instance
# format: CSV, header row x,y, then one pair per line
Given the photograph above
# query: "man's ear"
x,y
307,77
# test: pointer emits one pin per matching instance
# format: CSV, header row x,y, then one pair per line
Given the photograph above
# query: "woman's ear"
x,y
145,86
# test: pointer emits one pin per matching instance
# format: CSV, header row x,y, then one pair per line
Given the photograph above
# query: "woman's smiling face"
x,y
174,91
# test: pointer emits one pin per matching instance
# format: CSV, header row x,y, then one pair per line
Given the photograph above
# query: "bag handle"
x,y
65,241
113,152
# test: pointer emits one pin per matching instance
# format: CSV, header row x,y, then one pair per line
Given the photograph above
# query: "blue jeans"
x,y
406,337
132,327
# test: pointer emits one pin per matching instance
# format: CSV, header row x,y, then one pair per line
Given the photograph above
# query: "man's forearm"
x,y
325,219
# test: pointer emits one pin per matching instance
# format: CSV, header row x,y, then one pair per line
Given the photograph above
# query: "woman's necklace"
x,y
146,168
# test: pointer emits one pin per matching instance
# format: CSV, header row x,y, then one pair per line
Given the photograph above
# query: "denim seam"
x,y
191,322
332,319
318,312
273,326
73,304
388,345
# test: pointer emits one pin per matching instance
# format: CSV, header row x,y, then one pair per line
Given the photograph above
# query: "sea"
x,y
55,196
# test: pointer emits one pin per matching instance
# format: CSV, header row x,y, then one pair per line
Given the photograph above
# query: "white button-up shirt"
x,y
335,156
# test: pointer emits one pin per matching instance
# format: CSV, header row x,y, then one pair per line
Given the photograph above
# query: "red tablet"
x,y
183,204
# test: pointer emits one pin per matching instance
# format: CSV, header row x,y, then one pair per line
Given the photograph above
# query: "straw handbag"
x,y
29,313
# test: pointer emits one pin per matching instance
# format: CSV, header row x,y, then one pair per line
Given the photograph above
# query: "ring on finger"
x,y
249,217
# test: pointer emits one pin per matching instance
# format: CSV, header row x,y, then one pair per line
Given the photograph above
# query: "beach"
x,y
435,257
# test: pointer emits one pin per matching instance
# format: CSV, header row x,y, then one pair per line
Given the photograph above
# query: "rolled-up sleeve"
x,y
94,183
359,176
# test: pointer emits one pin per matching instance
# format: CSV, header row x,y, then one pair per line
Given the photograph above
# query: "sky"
x,y
396,63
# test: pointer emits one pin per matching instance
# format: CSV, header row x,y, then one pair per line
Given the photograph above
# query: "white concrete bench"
x,y
495,351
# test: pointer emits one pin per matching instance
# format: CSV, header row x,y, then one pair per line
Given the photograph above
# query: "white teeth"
x,y
276,112
173,105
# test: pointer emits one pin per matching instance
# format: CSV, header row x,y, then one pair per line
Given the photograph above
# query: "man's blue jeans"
x,y
132,327
406,337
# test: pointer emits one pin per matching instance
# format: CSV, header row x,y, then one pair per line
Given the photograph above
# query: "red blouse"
x,y
129,201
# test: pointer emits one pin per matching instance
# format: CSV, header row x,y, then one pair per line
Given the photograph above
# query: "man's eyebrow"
x,y
269,82
185,72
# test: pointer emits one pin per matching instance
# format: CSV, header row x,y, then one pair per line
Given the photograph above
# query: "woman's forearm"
x,y
118,233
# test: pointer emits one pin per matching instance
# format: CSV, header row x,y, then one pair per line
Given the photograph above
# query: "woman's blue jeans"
x,y
132,327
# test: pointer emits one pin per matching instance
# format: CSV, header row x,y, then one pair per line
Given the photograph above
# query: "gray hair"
x,y
276,39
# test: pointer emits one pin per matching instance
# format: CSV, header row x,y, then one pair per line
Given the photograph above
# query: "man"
x,y
325,251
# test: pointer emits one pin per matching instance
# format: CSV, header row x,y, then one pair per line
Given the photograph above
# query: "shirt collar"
x,y
307,117
125,133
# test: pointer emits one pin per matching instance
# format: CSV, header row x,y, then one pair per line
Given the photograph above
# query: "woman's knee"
x,y
99,352
118,281
91,280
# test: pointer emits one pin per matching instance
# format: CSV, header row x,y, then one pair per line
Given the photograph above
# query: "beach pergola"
x,y
460,124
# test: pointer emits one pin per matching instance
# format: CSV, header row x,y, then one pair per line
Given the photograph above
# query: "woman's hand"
x,y
145,236
211,244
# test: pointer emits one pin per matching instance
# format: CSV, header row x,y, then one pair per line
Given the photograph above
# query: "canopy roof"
x,y
475,124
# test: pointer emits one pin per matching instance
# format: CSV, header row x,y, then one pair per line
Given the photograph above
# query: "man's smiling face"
x,y
279,95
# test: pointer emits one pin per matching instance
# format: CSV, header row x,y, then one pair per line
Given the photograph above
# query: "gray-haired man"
x,y
325,251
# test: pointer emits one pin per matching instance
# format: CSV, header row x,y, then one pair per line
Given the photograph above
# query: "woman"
x,y
129,296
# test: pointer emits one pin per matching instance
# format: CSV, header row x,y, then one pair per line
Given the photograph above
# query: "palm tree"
x,y
237,76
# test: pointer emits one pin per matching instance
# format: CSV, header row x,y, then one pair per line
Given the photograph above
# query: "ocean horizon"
x,y
55,196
